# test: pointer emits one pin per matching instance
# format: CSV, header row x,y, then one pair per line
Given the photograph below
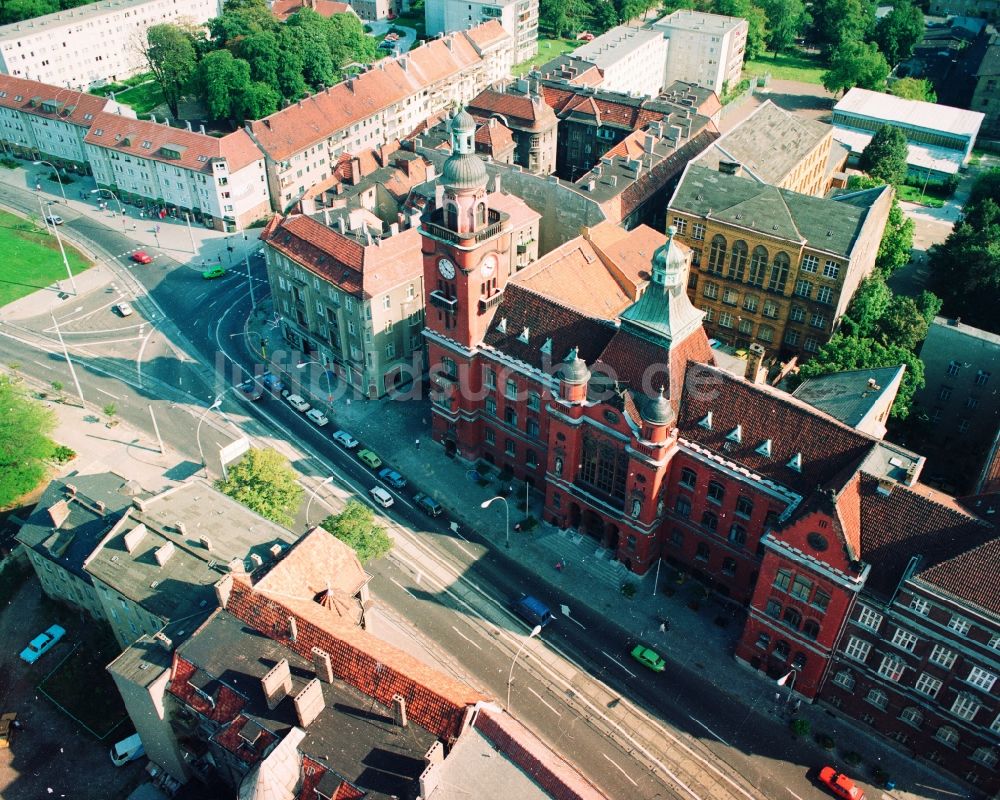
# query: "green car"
x,y
369,458
649,658
214,272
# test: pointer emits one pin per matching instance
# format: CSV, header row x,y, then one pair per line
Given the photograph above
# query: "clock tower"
x,y
466,245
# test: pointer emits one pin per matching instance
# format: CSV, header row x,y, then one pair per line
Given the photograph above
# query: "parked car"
x,y
386,45
345,440
123,309
126,750
298,402
428,504
272,382
42,643
368,457
141,257
840,784
213,272
532,610
317,417
381,496
649,658
393,478
54,219
251,389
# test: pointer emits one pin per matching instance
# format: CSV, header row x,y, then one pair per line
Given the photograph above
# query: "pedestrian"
x,y
38,187
142,215
133,226
796,706
663,627
417,443
18,726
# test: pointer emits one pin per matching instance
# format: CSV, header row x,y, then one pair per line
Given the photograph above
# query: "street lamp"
x,y
197,434
62,188
121,211
46,216
326,374
313,494
488,503
510,678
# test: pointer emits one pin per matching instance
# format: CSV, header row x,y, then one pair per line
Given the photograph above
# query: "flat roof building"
x,y
706,49
518,17
631,60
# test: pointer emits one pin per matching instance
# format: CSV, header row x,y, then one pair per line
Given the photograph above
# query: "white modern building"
x,y
39,121
94,44
706,49
939,138
220,182
632,60
518,17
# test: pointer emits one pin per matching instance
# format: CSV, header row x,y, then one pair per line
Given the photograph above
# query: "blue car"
x,y
272,382
393,478
42,643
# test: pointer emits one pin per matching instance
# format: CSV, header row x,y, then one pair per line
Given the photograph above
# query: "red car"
x,y
840,784
141,257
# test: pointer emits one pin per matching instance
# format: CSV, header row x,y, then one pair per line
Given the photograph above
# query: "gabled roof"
x,y
493,137
343,259
518,108
52,102
175,146
283,9
849,396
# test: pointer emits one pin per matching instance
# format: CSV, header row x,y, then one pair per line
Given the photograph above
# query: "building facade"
x,y
705,49
770,265
518,17
219,183
532,122
986,95
94,44
631,60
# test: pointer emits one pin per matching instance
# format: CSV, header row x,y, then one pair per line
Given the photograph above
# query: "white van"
x,y
127,750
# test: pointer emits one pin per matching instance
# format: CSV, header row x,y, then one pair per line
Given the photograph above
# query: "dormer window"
x,y
706,422
547,346
525,335
502,325
736,434
764,448
795,462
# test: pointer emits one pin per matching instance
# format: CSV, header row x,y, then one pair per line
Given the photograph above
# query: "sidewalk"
x,y
702,639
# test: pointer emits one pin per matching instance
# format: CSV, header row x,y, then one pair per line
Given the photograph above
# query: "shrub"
x,y
853,758
628,589
10,163
62,454
825,741
800,727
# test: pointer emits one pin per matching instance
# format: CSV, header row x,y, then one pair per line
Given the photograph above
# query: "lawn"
x,y
31,258
911,194
143,98
547,50
797,66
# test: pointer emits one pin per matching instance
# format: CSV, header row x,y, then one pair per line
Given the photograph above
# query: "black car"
x,y
428,504
251,389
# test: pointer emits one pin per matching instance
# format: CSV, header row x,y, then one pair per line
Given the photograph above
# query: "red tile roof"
x,y
517,108
143,139
486,35
228,702
493,137
312,774
283,9
364,270
972,576
230,739
32,97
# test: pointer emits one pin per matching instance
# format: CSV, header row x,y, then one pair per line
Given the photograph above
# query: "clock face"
x,y
446,268
488,265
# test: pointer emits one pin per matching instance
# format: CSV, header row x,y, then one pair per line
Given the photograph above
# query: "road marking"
x,y
116,397
623,772
138,358
619,663
43,366
466,638
411,594
470,555
536,694
712,732
789,790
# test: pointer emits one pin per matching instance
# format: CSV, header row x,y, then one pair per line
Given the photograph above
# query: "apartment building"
x,y
986,95
39,121
93,44
706,49
770,265
531,121
303,142
518,17
631,59
351,300
221,183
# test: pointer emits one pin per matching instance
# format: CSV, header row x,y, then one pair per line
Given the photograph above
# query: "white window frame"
x,y
959,624
981,678
845,680
869,618
942,656
857,649
892,667
920,605
927,684
965,706
905,640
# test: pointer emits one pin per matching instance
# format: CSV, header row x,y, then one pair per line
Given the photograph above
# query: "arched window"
x,y
480,214
738,260
702,552
792,618
781,649
845,679
716,491
947,735
758,265
779,273
710,521
912,715
877,698
452,213
717,254
738,535
810,629
773,609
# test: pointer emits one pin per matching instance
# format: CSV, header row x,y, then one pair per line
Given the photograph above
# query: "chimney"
x,y
496,183
399,710
162,554
201,129
755,360
393,228
648,143
321,663
326,217
205,542
71,489
134,536
277,683
223,588
309,703
275,550
341,227
256,560
730,168
181,528
236,565
885,486
293,629
163,641
872,385
187,124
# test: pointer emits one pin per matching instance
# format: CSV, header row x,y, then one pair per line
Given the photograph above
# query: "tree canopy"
x,y
264,482
913,89
856,63
356,527
896,247
836,23
884,158
899,31
25,425
172,58
785,22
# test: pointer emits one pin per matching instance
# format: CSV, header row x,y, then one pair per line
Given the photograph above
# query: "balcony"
x,y
486,303
433,224
442,301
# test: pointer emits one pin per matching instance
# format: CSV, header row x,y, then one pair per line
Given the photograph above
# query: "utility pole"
x,y
156,428
72,371
246,260
187,217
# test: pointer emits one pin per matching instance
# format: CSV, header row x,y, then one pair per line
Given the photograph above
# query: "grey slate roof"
x,y
847,396
828,224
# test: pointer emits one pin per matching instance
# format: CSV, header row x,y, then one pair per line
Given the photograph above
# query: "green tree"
x,y
904,322
258,100
605,15
264,482
172,59
856,63
785,21
305,31
848,353
291,83
223,80
914,89
260,51
899,31
986,187
896,247
884,157
355,526
552,17
756,22
348,42
869,304
25,426
241,18
836,23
